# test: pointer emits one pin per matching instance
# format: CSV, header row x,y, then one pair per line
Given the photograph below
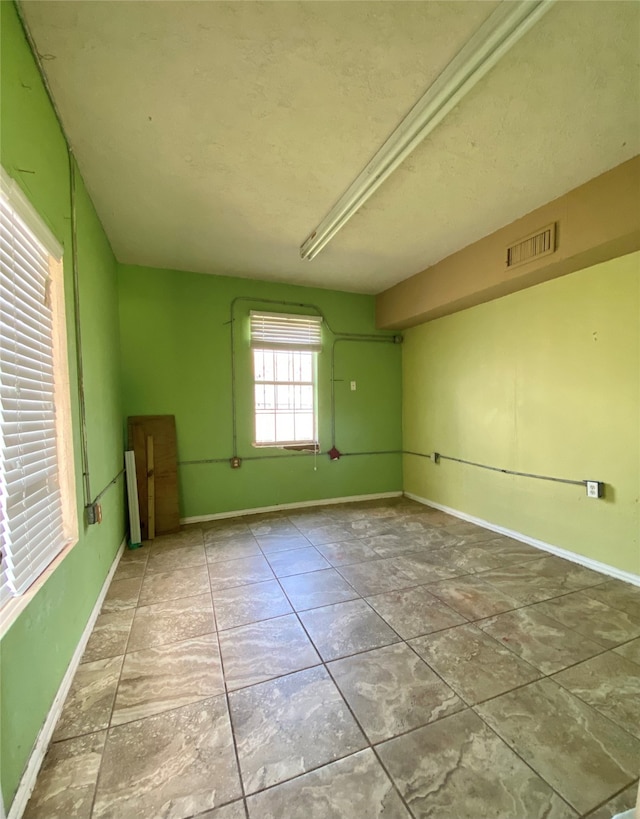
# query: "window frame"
x,y
290,334
20,217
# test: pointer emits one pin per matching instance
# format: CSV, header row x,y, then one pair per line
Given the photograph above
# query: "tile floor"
x,y
372,660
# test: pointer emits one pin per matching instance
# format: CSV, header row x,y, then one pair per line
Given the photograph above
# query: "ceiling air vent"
x,y
533,246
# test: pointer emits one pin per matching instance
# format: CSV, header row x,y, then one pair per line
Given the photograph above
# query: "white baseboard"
x,y
30,775
299,505
596,565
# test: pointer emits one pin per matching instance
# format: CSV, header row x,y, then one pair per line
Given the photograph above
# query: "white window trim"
x,y
286,333
64,431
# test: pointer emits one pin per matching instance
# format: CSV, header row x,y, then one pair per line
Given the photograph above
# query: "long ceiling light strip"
x,y
497,35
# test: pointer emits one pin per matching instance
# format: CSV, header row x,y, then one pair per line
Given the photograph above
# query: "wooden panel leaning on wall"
x,y
153,439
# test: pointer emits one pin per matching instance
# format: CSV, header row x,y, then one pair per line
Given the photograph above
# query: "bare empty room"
x,y
320,401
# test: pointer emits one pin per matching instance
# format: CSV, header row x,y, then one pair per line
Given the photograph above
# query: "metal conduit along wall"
x,y
88,500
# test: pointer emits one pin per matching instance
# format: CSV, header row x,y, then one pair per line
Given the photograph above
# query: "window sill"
x,y
301,446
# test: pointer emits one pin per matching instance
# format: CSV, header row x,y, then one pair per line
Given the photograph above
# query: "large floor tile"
x,y
473,596
346,628
160,586
220,530
170,676
171,621
67,780
289,726
630,650
240,605
109,636
457,768
353,788
174,764
415,611
234,810
231,548
271,544
261,651
391,690
333,533
592,618
239,572
347,552
133,563
623,801
426,567
610,684
122,594
376,576
470,531
540,640
297,561
580,753
523,583
90,698
466,558
168,558
510,550
618,595
474,664
314,589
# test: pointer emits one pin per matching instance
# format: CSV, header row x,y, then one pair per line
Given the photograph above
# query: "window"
x,y
37,511
284,367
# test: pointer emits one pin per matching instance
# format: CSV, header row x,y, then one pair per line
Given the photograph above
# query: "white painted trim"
x,y
298,505
30,775
596,565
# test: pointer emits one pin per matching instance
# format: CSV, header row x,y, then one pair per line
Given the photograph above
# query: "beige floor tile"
x,y
315,589
90,699
248,604
391,690
160,586
415,611
356,786
474,664
122,594
457,767
264,650
169,676
171,621
473,596
297,561
175,764
67,780
580,753
541,641
630,650
239,572
288,726
109,636
346,628
610,684
592,618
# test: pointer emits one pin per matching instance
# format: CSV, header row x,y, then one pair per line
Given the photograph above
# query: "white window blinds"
x,y
31,519
285,331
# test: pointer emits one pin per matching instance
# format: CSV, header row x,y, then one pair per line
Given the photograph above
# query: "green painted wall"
x,y
545,381
176,359
35,652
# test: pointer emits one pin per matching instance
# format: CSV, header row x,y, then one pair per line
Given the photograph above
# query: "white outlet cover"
x,y
353,385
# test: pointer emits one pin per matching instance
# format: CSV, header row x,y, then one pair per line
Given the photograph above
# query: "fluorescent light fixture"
x,y
500,31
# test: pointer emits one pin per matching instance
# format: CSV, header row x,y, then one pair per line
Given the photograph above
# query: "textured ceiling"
x,y
214,136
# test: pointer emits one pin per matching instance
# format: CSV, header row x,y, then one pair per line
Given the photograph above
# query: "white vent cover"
x,y
534,246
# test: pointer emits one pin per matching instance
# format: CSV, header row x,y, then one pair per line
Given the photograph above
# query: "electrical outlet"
x,y
94,513
353,386
235,462
594,489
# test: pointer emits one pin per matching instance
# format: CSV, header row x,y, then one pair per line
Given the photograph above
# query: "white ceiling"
x,y
214,136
